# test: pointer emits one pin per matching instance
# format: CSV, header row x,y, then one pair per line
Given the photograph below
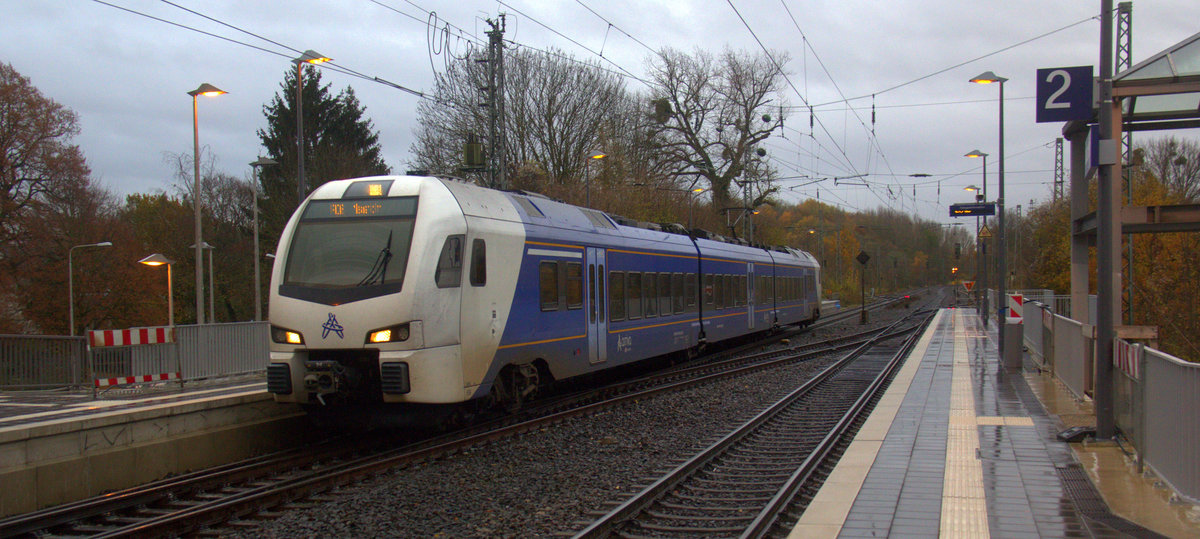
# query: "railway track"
x,y
240,494
740,485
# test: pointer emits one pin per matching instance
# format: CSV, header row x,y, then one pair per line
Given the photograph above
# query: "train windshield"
x,y
348,250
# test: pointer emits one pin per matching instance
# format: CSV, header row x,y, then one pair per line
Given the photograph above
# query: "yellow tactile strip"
x,y
964,503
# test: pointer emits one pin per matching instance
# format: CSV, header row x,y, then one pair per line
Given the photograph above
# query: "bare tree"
x,y
1176,163
713,111
557,111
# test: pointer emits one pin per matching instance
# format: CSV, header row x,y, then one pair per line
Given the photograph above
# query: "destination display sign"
x,y
372,207
972,208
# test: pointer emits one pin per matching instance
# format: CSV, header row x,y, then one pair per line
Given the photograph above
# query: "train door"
x,y
597,319
750,293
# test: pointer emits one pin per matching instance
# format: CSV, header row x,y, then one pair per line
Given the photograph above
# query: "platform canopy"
x,y
1164,88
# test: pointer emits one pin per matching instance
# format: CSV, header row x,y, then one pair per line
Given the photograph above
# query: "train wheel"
x,y
517,385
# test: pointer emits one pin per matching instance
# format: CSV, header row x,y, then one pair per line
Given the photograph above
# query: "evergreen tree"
x,y
339,142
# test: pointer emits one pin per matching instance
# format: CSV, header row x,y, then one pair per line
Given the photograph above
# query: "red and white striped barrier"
x,y
130,337
1125,358
1015,309
105,382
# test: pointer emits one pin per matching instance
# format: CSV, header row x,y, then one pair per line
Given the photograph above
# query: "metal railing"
x,y
199,352
1156,395
42,362
1159,411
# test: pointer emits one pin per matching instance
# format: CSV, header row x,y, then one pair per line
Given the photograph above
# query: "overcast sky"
x,y
128,76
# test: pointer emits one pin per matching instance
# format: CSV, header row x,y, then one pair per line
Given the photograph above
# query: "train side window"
x,y
708,289
634,288
726,292
548,285
677,297
574,285
741,290
650,295
689,292
664,294
616,296
478,263
592,283
600,295
450,263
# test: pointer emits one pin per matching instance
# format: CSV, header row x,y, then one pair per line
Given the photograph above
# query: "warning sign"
x,y
969,285
985,232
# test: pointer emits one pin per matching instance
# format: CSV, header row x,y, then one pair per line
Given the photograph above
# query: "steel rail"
x,y
641,501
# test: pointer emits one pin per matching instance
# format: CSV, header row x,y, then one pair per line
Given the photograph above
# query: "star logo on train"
x,y
332,325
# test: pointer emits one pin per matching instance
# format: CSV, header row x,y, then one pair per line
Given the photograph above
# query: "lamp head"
x,y
207,90
156,259
264,161
987,77
597,155
312,57
975,153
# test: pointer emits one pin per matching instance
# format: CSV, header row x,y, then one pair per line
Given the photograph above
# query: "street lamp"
x,y
211,281
159,260
987,78
981,296
261,162
71,279
206,90
309,57
587,180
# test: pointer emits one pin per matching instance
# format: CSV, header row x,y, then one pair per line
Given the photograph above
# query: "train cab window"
x,y
478,263
450,262
650,295
689,292
634,309
616,296
548,285
664,294
574,285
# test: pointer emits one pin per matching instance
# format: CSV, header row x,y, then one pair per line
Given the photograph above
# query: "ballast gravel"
x,y
553,481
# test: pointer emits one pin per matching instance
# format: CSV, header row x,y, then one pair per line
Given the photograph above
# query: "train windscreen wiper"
x,y
379,269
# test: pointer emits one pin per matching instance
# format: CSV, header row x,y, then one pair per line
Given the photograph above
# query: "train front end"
x,y
355,320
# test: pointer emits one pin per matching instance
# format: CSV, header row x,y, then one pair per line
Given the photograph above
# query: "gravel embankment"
x,y
545,483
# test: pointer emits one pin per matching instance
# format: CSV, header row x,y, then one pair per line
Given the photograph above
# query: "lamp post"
x,y
587,179
206,90
980,246
211,282
159,260
309,57
71,279
987,78
260,162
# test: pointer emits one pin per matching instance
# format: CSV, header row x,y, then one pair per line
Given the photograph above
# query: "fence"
x,y
1156,396
1159,410
199,352
208,351
40,362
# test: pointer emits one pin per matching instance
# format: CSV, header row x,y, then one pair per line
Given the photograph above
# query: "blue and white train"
x,y
434,291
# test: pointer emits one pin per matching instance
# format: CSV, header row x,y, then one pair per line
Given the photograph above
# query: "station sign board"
x,y
972,208
1064,94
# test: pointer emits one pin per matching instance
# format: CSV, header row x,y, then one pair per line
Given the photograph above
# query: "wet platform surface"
x,y
961,447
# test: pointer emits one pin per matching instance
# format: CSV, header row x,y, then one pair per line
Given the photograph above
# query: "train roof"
x,y
538,210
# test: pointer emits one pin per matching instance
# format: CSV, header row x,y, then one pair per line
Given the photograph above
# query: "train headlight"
x,y
286,336
398,333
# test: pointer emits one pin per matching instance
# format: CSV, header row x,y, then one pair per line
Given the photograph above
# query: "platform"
x,y
960,447
61,446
